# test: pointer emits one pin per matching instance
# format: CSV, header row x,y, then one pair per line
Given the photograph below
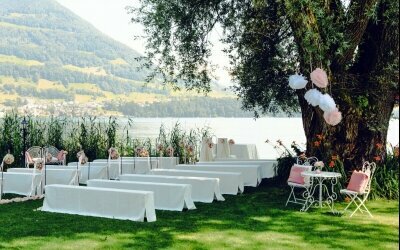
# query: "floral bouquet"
x,y
82,157
319,165
170,151
39,164
113,153
190,149
231,142
221,140
160,149
142,152
8,159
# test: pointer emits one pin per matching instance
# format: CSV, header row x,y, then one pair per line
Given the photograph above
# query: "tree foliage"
x,y
267,40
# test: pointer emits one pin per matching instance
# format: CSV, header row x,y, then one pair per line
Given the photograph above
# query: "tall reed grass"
x,y
94,135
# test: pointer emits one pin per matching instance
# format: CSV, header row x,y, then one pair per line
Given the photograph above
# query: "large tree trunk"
x,y
365,124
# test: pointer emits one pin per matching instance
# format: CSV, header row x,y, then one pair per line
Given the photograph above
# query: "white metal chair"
x,y
54,153
359,198
302,161
33,155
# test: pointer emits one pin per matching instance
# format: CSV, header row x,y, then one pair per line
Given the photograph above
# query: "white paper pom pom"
x,y
326,103
297,81
312,97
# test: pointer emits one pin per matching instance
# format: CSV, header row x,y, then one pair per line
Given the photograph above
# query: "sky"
x,y
111,18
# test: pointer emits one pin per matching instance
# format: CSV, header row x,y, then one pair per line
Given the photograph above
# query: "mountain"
x,y
49,56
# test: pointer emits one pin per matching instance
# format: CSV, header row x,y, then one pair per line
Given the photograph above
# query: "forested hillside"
x,y
51,57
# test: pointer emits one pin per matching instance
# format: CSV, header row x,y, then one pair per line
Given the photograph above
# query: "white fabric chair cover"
x,y
206,153
223,150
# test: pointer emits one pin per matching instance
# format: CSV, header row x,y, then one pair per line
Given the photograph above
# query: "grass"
x,y
257,219
19,61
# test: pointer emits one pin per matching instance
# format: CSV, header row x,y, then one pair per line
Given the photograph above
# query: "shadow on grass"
x,y
258,210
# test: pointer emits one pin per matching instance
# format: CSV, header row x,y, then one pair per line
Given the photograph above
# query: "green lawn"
x,y
257,219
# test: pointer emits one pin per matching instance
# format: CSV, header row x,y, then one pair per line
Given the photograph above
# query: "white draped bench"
x,y
229,183
100,202
251,174
94,171
167,196
203,189
21,183
267,166
129,166
53,175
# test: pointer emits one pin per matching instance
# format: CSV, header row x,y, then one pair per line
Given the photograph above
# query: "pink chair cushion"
x,y
358,182
295,174
28,157
60,155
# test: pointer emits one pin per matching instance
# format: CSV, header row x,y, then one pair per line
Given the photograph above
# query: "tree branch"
x,y
358,17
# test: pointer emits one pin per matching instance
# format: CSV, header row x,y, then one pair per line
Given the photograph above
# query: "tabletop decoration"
x,y
319,165
160,149
231,142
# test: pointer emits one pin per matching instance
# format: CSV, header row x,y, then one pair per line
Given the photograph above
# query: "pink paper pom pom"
x,y
319,78
333,117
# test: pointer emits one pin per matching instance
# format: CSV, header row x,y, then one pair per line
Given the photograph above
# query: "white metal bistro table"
x,y
321,180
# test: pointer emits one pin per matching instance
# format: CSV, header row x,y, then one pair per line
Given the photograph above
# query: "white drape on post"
x,y
206,153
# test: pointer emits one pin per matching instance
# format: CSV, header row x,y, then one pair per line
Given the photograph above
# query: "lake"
x,y
243,130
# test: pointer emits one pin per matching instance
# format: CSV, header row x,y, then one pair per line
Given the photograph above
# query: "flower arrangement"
x,y
113,153
39,164
160,149
319,165
170,151
8,159
190,149
142,152
231,142
221,140
82,159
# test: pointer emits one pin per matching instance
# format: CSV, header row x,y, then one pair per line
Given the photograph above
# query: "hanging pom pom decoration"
x,y
333,117
297,81
326,103
313,97
319,78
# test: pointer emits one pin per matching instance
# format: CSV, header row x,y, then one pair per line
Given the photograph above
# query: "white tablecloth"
x,y
244,151
267,166
167,196
229,183
53,175
21,183
100,202
251,174
203,189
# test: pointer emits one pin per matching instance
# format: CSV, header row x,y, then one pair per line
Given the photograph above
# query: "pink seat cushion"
x,y
358,182
295,174
60,155
28,157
